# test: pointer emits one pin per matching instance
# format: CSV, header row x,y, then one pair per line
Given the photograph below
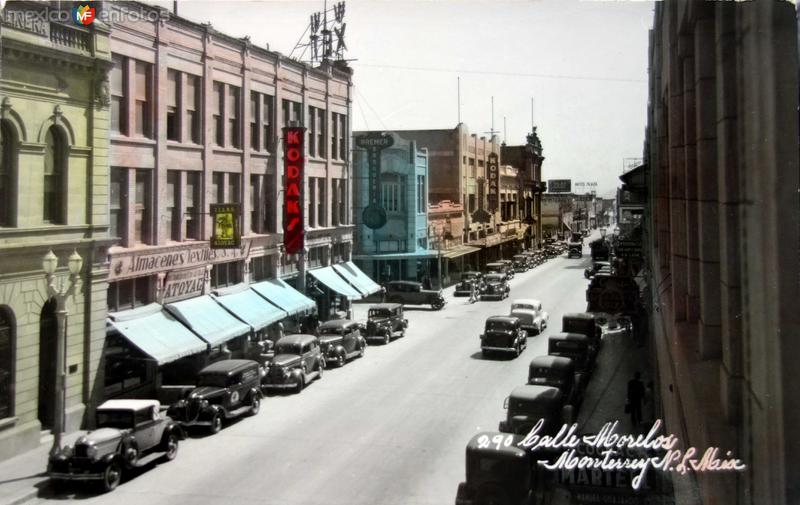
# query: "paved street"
x,y
389,428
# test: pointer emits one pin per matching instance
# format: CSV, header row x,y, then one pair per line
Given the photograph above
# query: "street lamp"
x,y
60,289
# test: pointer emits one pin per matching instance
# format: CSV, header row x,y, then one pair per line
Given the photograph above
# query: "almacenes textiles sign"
x,y
293,165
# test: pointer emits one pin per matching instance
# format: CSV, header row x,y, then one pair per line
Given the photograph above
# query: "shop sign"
x,y
293,161
226,218
492,182
145,262
559,185
374,215
180,284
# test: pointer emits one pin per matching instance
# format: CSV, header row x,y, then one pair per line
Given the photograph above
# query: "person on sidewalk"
x,y
635,398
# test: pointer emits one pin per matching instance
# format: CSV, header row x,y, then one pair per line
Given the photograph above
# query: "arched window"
x,y
55,170
7,345
8,153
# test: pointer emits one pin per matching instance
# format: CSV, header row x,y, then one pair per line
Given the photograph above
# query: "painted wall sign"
x,y
137,263
492,182
374,215
559,185
226,232
181,284
293,203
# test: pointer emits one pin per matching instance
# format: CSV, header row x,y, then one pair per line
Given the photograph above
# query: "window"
x,y
421,205
173,91
193,210
217,187
472,171
118,189
142,93
292,111
471,203
55,164
312,198
334,135
321,201
141,227
218,101
315,257
7,172
7,362
173,218
392,194
255,108
192,99
234,139
129,294
226,274
336,203
266,123
312,131
321,123
255,203
343,133
119,111
234,188
261,268
270,204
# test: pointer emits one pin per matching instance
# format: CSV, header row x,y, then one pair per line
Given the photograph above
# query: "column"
x,y
692,207
677,181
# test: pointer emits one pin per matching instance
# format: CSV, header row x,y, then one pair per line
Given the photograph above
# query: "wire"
x,y
370,108
361,110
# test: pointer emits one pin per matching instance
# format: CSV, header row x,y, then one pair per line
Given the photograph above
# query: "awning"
x,y
421,254
248,306
458,251
357,278
208,319
329,277
284,296
156,333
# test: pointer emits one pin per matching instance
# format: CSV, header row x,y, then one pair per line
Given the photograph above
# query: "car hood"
x,y
206,392
101,435
285,360
329,339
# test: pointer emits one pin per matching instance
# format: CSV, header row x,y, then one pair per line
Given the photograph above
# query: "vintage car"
x,y
498,267
527,404
298,360
530,314
340,340
521,263
597,266
584,323
499,470
534,258
509,267
129,434
576,347
557,372
469,281
495,287
504,334
574,250
226,389
384,321
411,293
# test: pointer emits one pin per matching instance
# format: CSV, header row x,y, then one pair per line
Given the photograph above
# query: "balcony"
x,y
71,37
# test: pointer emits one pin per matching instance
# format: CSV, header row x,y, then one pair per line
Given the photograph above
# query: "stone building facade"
x,y
722,233
54,107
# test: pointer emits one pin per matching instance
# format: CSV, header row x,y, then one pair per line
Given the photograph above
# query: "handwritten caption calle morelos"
x,y
612,451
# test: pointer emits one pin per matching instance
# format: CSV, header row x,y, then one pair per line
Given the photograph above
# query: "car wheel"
x,y
484,353
171,449
112,476
216,424
255,404
130,452
361,351
402,333
301,384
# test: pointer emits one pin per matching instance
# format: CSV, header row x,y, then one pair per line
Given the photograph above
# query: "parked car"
x,y
509,267
505,334
298,360
384,321
129,434
411,293
469,281
597,266
557,372
527,404
530,314
584,323
495,287
521,263
340,340
225,390
575,347
498,267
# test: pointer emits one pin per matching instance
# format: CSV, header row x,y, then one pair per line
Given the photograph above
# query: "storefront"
x,y
247,305
333,294
226,335
358,279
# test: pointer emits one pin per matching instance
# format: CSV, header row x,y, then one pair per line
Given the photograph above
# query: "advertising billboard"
x,y
293,166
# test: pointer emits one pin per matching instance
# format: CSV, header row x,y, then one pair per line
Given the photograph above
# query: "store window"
x,y
261,268
226,274
55,167
7,361
129,294
125,367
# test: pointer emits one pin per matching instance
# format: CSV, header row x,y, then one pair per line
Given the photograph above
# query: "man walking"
x,y
635,398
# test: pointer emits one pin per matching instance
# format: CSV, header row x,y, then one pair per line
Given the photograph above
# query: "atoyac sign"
x,y
492,182
293,165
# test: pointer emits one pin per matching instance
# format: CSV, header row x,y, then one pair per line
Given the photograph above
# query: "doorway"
x,y
48,345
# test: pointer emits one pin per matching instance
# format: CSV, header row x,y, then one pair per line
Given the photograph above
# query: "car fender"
x,y
256,392
297,374
209,412
176,429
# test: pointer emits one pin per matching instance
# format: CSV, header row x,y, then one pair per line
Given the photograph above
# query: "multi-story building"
x,y
399,248
54,108
196,120
722,240
528,159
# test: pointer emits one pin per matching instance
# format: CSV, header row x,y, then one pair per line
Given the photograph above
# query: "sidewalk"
x,y
23,477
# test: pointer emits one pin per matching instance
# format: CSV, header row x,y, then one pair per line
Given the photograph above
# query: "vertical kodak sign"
x,y
493,182
293,167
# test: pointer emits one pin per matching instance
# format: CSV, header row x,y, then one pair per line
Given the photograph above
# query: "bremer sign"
x,y
293,163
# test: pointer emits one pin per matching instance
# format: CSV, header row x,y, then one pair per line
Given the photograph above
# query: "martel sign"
x,y
137,263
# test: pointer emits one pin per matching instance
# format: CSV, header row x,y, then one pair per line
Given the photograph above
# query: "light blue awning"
x,y
357,278
284,296
329,277
208,319
156,333
254,310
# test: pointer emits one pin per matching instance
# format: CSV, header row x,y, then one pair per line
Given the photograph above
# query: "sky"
x,y
584,64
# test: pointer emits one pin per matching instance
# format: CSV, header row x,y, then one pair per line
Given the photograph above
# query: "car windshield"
x,y
120,419
379,313
331,330
213,380
287,348
494,278
522,306
497,326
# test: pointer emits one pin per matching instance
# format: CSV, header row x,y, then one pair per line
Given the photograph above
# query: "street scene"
x,y
368,253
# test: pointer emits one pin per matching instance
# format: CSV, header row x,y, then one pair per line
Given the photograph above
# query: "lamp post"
x,y
60,289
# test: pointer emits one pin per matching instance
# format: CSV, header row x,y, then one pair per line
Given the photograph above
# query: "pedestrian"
x,y
635,398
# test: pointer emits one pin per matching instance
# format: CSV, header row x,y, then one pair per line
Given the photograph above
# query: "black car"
x,y
495,287
225,389
597,266
527,405
575,250
503,333
298,360
340,340
500,267
469,281
521,263
384,321
412,293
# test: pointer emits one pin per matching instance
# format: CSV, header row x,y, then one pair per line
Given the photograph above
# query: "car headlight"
x,y
204,404
91,451
67,452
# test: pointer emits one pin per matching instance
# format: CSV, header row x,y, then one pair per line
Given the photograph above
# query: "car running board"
x,y
237,412
146,460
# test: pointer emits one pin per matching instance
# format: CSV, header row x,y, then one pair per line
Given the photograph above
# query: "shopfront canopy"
x,y
156,333
248,306
284,296
335,282
208,319
458,251
357,278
